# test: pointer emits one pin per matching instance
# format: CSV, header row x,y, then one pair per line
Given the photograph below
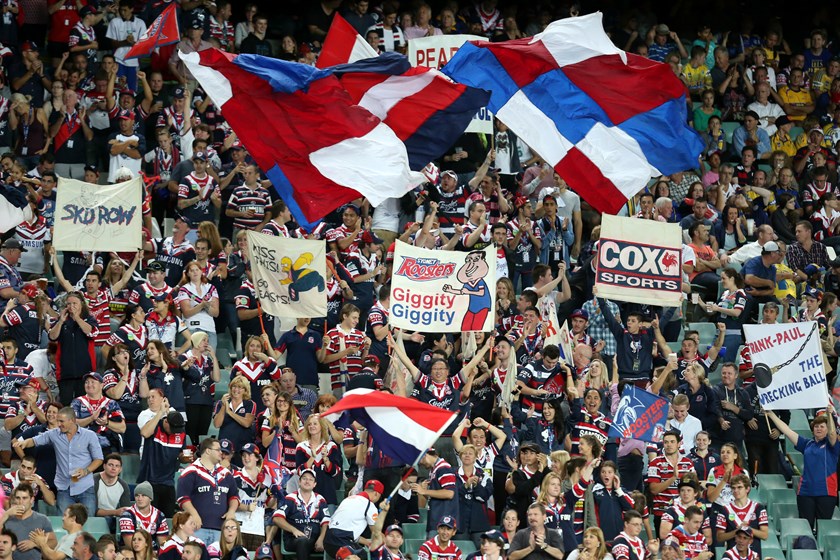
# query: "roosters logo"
x,y
424,269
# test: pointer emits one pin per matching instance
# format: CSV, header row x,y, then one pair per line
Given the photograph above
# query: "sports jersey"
x,y
324,476
442,477
206,291
452,208
732,554
85,407
626,547
142,295
173,549
536,376
341,232
160,456
444,395
252,491
305,515
223,32
525,253
171,382
660,470
80,35
585,424
258,374
245,198
173,256
716,476
164,329
24,327
154,523
274,229
210,492
485,238
135,339
389,39
12,373
354,515
820,478
18,408
377,317
33,236
752,514
11,480
129,401
246,298
692,545
99,305
202,187
350,364
433,550
798,99
675,515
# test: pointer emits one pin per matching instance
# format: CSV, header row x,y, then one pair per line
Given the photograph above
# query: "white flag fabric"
x,y
92,217
793,353
443,291
289,275
639,261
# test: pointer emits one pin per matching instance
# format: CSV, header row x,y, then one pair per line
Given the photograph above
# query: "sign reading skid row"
x,y
435,52
289,275
443,291
92,217
793,353
639,261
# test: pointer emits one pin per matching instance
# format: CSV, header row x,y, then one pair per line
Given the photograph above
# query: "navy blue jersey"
x,y
210,492
160,456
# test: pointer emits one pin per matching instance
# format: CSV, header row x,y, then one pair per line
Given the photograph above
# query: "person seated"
x,y
143,516
26,475
113,497
75,516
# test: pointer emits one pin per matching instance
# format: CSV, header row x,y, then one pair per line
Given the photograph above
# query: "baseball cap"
x,y
93,375
185,219
393,527
196,23
375,485
125,115
450,173
672,542
264,551
145,489
782,121
347,551
163,296
237,145
352,207
813,269
227,446
447,521
127,91
369,237
155,266
310,471
835,263
770,247
496,536
250,448
202,156
579,314
176,421
370,359
29,290
817,129
690,482
86,11
91,167
529,446
13,244
180,93
662,29
29,46
746,530
813,292
28,382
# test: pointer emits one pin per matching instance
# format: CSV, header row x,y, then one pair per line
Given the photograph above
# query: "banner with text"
x,y
793,353
289,275
443,291
640,415
92,217
435,52
639,261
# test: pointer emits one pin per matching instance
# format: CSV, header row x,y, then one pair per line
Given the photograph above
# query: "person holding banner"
x,y
634,344
817,492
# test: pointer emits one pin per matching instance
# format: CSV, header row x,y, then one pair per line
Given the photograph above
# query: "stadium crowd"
x,y
142,391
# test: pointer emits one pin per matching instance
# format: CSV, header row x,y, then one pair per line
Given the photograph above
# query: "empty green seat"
x,y
804,555
792,528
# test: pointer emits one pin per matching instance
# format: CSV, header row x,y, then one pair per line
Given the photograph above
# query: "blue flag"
x,y
640,415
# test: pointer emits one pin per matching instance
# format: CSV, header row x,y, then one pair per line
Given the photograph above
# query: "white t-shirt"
x,y
124,160
119,30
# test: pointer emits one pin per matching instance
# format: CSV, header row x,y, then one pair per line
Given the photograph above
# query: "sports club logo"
x,y
424,269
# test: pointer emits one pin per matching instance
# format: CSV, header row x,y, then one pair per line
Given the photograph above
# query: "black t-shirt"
x,y
33,85
316,16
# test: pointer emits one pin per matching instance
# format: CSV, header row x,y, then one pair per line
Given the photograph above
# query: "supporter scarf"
x,y
69,127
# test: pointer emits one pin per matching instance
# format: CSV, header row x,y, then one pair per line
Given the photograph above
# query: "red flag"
x,y
163,31
343,44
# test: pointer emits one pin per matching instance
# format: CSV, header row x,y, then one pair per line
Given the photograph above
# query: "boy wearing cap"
x,y
303,516
143,515
441,546
385,545
126,146
98,413
173,253
83,37
743,546
28,411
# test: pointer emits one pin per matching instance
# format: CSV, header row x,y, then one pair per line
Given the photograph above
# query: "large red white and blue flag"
x,y
162,32
606,121
321,146
403,429
343,44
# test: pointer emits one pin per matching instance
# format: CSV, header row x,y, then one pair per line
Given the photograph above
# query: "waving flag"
x,y
606,120
343,44
402,428
318,148
14,208
640,415
424,108
162,32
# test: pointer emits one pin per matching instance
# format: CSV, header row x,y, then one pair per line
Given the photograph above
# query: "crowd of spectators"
x,y
142,391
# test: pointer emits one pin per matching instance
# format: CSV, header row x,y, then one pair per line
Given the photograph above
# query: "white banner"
x,y
92,217
435,52
289,275
639,261
793,353
443,291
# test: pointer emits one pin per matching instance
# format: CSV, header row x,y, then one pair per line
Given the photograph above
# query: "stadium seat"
x,y
779,496
828,541
424,516
792,528
729,128
804,555
780,512
797,459
411,546
799,421
708,332
832,554
130,467
771,481
413,531
97,526
467,547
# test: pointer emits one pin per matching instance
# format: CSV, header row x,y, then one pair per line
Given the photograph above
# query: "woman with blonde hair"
x,y
234,416
551,496
229,546
200,369
256,367
31,127
319,453
594,546
559,458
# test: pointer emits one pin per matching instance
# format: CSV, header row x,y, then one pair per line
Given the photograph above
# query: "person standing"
x,y
77,452
208,487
